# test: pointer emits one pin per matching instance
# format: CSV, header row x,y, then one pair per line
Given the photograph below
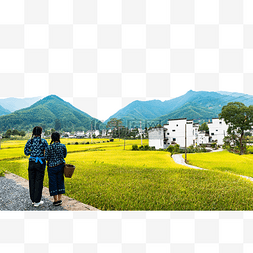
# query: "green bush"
x,y
170,149
176,148
146,147
76,143
2,173
134,147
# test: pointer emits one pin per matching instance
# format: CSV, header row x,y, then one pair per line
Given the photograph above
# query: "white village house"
x,y
174,133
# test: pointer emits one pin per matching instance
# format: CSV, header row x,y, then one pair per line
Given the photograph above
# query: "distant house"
x,y
104,133
156,138
174,133
89,133
79,134
217,130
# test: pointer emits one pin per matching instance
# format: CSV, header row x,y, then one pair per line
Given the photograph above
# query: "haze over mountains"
x,y
199,106
13,104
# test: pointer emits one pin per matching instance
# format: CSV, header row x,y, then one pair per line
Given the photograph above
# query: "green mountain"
x,y
189,111
45,113
198,105
3,111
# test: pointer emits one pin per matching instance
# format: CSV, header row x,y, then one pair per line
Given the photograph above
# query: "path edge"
x,y
67,203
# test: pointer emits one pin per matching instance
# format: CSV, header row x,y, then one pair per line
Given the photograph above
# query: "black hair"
x,y
55,137
37,131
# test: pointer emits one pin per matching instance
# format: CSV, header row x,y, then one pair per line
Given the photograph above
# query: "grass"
x,y
114,179
223,161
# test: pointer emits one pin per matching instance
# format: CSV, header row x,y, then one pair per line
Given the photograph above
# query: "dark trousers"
x,y
56,180
36,173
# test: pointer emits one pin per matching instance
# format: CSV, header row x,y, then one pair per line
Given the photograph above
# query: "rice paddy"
x,y
110,176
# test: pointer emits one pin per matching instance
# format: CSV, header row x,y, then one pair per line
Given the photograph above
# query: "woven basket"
x,y
69,170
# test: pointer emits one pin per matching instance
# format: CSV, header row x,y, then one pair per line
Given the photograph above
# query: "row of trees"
x,y
13,132
120,131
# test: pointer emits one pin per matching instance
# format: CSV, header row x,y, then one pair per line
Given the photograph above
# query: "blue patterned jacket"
x,y
55,154
35,149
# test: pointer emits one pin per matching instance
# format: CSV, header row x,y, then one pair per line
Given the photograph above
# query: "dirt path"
x,y
67,203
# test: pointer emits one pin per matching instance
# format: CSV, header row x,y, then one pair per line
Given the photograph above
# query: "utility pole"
x,y
185,143
141,132
91,132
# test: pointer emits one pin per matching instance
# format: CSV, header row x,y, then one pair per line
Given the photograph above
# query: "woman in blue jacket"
x,y
35,147
55,154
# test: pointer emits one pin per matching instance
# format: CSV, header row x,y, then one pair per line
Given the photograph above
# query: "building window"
x,y
174,139
216,130
220,122
173,130
168,133
212,133
176,124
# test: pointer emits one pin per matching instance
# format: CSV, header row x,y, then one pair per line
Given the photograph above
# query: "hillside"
x,y
44,113
199,105
189,111
3,111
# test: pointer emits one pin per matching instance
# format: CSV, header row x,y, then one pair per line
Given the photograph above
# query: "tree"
x,y
239,118
15,132
115,124
204,127
22,133
52,130
8,133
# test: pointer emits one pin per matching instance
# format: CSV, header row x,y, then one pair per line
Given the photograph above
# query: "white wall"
x,y
156,138
218,130
175,132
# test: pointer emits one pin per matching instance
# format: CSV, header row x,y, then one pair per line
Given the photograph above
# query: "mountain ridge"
x,y
45,112
207,103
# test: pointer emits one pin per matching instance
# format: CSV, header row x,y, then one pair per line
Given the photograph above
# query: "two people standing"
x,y
54,154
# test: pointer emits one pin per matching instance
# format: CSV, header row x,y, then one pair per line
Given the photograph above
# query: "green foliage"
x,y
204,127
135,147
240,119
248,134
2,173
22,133
146,147
170,149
